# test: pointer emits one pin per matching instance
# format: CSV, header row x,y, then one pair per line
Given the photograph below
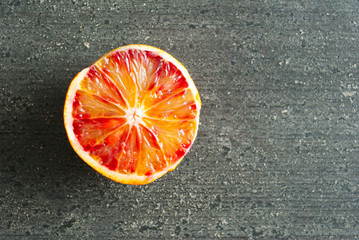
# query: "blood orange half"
x,y
132,115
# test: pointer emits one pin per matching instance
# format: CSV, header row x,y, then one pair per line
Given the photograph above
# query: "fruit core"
x,y
134,116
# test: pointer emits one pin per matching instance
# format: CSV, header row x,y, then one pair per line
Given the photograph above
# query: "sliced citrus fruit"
x,y
132,115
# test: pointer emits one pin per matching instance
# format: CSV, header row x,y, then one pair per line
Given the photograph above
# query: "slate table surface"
x,y
276,155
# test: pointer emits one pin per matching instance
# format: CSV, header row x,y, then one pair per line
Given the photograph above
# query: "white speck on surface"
x,y
349,93
287,61
86,44
284,111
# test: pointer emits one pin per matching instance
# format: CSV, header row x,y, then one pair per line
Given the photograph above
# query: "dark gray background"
x,y
276,155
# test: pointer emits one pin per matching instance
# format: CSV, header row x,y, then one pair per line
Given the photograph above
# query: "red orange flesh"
x,y
133,115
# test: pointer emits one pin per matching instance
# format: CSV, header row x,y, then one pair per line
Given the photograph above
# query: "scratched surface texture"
x,y
277,153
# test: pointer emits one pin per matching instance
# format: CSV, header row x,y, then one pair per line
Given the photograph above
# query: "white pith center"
x,y
134,116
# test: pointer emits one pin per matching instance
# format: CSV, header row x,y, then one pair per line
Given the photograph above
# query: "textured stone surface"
x,y
277,151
